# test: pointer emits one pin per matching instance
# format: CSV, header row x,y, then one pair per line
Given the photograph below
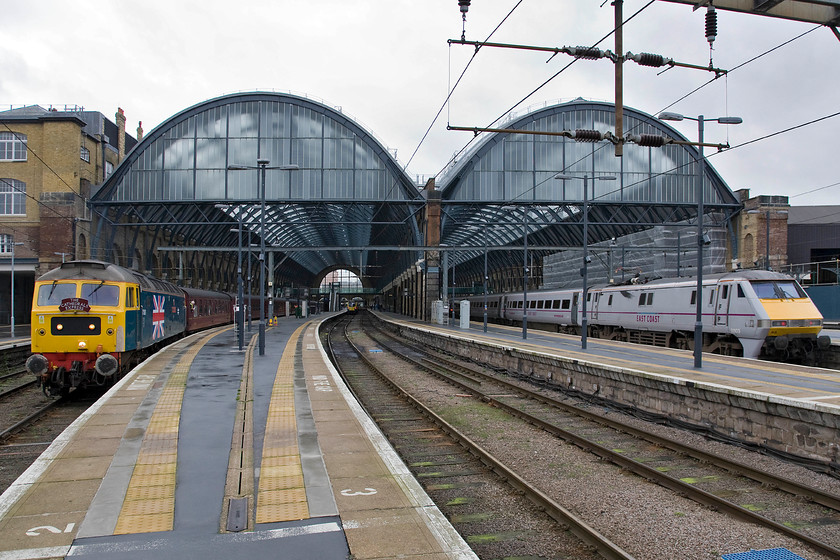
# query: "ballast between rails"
x,y
751,313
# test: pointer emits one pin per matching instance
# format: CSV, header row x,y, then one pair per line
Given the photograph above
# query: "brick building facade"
x,y
49,162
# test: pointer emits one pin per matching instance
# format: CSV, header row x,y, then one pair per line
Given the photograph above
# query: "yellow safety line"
x,y
149,504
281,495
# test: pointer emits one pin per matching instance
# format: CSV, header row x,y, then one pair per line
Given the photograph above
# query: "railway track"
x,y
805,514
29,421
497,512
735,488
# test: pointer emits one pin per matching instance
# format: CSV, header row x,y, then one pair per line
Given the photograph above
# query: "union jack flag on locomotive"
x,y
157,317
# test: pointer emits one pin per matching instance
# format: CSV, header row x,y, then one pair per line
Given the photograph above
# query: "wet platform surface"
x,y
207,452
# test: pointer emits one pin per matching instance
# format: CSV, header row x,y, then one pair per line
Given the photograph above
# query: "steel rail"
x,y
577,526
9,431
17,388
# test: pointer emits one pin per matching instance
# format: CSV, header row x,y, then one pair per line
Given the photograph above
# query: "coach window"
x,y
533,304
693,297
566,304
540,304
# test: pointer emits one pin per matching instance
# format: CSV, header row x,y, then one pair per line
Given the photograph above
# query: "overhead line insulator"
x,y
581,135
587,53
711,24
649,140
649,59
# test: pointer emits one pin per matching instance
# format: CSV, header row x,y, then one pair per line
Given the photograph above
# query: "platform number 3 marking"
x,y
35,531
365,492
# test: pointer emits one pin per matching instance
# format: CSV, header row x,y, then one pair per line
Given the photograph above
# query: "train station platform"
x,y
207,452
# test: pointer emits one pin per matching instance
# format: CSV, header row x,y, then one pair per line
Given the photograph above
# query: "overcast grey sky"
x,y
387,64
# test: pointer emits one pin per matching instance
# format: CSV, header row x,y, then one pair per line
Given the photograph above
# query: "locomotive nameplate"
x,y
74,304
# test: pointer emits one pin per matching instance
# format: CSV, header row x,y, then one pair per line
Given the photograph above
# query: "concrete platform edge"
x,y
446,536
19,487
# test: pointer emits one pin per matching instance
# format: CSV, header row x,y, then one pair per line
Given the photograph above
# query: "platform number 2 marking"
x,y
365,492
35,531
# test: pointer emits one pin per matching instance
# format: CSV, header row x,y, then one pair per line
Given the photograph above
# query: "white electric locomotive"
x,y
747,313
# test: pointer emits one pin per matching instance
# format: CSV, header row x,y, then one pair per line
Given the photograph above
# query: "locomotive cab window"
x,y
778,290
52,294
741,291
101,294
609,301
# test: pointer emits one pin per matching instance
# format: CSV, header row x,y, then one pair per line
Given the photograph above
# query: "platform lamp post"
x,y
485,277
701,238
262,165
584,271
12,303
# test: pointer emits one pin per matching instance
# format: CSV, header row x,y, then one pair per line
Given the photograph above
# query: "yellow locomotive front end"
x,y
78,330
789,320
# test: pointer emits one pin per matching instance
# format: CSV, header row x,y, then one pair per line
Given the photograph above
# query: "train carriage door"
x,y
722,304
596,298
575,303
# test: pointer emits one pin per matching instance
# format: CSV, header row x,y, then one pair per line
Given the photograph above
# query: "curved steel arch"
x,y
506,184
347,190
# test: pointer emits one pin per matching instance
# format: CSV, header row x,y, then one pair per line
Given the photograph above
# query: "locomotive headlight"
x,y
82,345
779,324
59,327
815,323
92,327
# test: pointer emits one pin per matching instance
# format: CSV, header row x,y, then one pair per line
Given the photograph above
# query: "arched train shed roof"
x,y
505,185
346,194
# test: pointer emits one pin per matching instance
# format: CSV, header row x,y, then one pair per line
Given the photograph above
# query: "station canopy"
x,y
336,198
511,184
331,190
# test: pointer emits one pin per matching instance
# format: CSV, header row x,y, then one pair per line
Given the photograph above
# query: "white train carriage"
x,y
748,313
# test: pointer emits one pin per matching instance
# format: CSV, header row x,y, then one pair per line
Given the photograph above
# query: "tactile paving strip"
x,y
281,495
149,504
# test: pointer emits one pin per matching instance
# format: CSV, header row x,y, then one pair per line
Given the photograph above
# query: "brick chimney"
x,y
120,118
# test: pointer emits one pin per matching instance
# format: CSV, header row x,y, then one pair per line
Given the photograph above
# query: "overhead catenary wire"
x,y
445,103
546,82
